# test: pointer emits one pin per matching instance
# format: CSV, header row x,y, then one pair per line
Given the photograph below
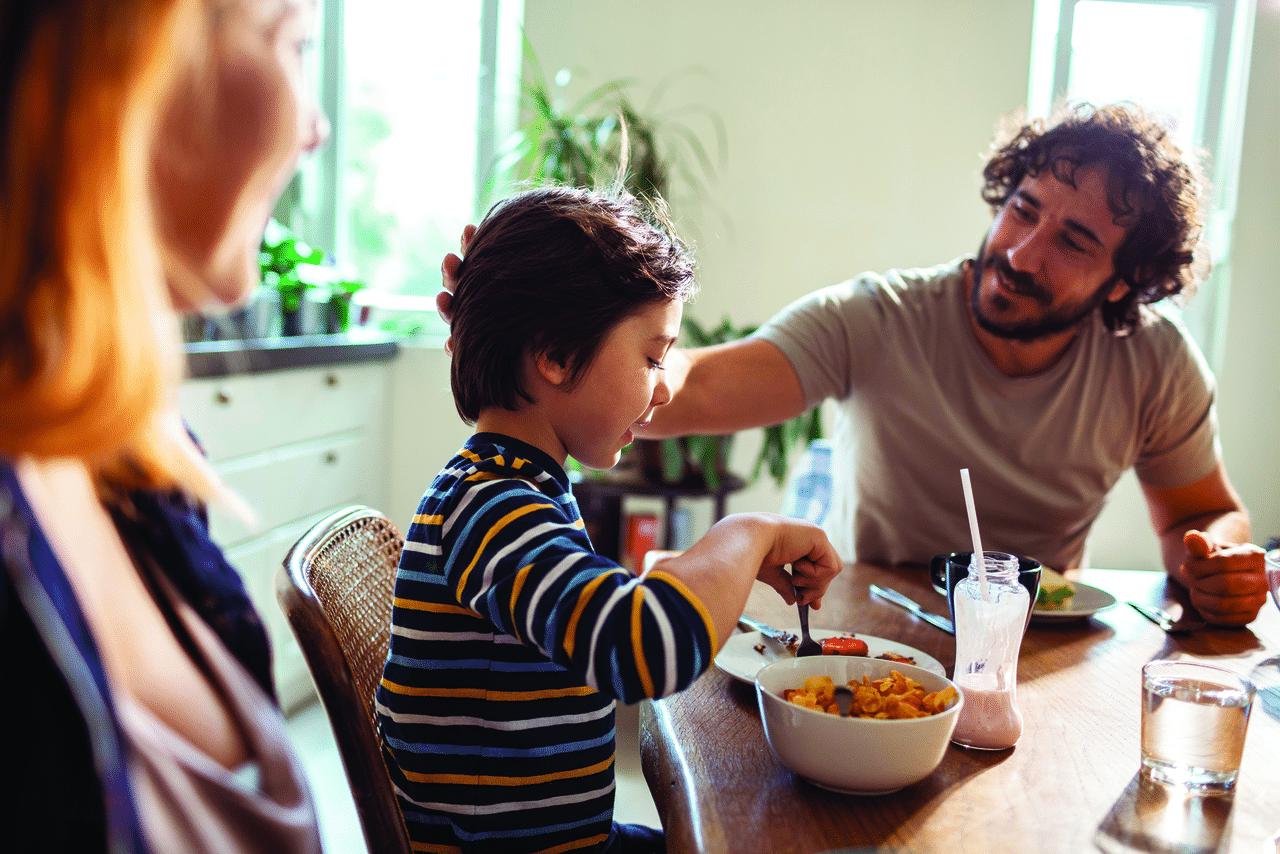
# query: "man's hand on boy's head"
x,y
449,279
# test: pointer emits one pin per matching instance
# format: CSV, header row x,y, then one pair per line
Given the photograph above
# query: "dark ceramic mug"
x,y
948,570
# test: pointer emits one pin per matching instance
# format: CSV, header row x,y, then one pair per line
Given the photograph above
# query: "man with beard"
x,y
1041,364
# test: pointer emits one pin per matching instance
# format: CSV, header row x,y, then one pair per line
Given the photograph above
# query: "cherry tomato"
x,y
844,646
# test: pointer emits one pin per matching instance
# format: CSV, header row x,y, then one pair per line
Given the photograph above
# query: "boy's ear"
x,y
550,370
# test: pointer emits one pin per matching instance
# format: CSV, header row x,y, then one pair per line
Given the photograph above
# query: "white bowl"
x,y
856,756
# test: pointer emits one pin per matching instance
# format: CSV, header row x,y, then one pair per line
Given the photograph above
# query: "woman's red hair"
x,y
90,352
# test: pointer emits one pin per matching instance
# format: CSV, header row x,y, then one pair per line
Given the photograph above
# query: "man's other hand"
x,y
1227,582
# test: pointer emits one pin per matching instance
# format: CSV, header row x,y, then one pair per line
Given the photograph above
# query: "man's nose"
x,y
1027,253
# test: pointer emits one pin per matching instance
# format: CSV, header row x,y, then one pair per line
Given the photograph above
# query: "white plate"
x,y
1087,602
739,658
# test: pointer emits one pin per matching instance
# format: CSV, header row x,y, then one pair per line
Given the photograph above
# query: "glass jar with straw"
x,y
991,607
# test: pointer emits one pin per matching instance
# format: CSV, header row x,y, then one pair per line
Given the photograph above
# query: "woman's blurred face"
x,y
229,144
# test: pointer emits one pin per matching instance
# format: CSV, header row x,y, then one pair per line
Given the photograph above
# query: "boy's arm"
x,y
529,571
628,637
720,568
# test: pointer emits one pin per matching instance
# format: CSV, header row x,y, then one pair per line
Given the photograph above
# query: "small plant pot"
x,y
338,314
291,323
262,316
195,328
311,318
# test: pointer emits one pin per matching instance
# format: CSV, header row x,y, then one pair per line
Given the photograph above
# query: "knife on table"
x,y
781,636
903,602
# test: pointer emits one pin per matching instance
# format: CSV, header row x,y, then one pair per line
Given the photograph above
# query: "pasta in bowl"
x,y
910,716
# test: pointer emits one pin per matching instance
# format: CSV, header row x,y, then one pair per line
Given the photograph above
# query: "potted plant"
x,y
340,295
703,459
602,137
291,268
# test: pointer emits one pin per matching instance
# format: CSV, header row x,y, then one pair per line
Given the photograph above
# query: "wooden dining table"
x,y
1071,784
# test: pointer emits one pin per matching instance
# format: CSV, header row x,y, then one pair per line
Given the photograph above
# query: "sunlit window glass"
x,y
1153,53
410,112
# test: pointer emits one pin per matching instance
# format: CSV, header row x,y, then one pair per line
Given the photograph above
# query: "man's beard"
x,y
1032,329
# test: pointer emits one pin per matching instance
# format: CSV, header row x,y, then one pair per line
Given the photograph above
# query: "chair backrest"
x,y
336,588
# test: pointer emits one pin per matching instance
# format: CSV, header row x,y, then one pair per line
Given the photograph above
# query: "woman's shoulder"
x,y
59,698
172,529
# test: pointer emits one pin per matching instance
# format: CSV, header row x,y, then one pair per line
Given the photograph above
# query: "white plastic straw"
x,y
978,556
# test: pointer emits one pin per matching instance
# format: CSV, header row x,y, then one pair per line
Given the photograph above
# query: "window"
x,y
1186,60
419,94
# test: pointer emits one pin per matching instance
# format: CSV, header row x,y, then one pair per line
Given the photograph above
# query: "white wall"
x,y
856,130
426,430
1250,376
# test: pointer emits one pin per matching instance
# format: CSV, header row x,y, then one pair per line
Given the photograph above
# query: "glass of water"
x,y
1194,718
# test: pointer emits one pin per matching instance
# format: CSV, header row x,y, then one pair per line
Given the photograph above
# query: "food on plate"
x,y
1056,591
895,697
844,646
787,640
893,656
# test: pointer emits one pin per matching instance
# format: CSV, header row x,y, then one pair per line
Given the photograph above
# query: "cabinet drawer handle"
x,y
330,457
331,380
222,397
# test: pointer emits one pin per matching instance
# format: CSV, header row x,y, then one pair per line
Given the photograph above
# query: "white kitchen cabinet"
x,y
295,445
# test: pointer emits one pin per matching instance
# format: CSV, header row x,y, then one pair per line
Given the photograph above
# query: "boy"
x,y
511,639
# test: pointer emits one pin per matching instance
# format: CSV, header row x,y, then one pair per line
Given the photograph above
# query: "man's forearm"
x,y
725,388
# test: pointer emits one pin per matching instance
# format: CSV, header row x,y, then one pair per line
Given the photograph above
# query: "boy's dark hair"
x,y
1152,190
551,272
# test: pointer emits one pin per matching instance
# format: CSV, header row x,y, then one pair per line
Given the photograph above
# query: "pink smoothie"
x,y
989,718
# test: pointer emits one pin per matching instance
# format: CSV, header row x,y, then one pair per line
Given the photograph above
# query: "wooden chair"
x,y
336,588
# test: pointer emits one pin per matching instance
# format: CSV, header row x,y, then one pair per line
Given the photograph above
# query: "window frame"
x,y
1220,134
314,205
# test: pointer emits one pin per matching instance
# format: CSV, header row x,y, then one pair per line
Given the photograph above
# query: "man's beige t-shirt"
x,y
919,400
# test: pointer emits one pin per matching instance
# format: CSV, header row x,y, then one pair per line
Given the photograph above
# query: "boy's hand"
x,y
720,568
814,562
449,281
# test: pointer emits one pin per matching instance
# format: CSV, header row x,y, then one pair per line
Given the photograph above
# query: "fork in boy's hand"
x,y
808,646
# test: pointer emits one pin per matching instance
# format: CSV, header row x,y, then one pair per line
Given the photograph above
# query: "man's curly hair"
x,y
1153,190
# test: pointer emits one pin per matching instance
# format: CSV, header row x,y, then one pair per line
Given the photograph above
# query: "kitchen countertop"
x,y
210,359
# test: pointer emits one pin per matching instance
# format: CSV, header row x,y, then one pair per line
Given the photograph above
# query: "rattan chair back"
x,y
336,588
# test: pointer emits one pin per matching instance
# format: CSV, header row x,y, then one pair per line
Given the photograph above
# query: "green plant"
x,y
292,267
710,453
279,257
602,138
340,293
781,438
